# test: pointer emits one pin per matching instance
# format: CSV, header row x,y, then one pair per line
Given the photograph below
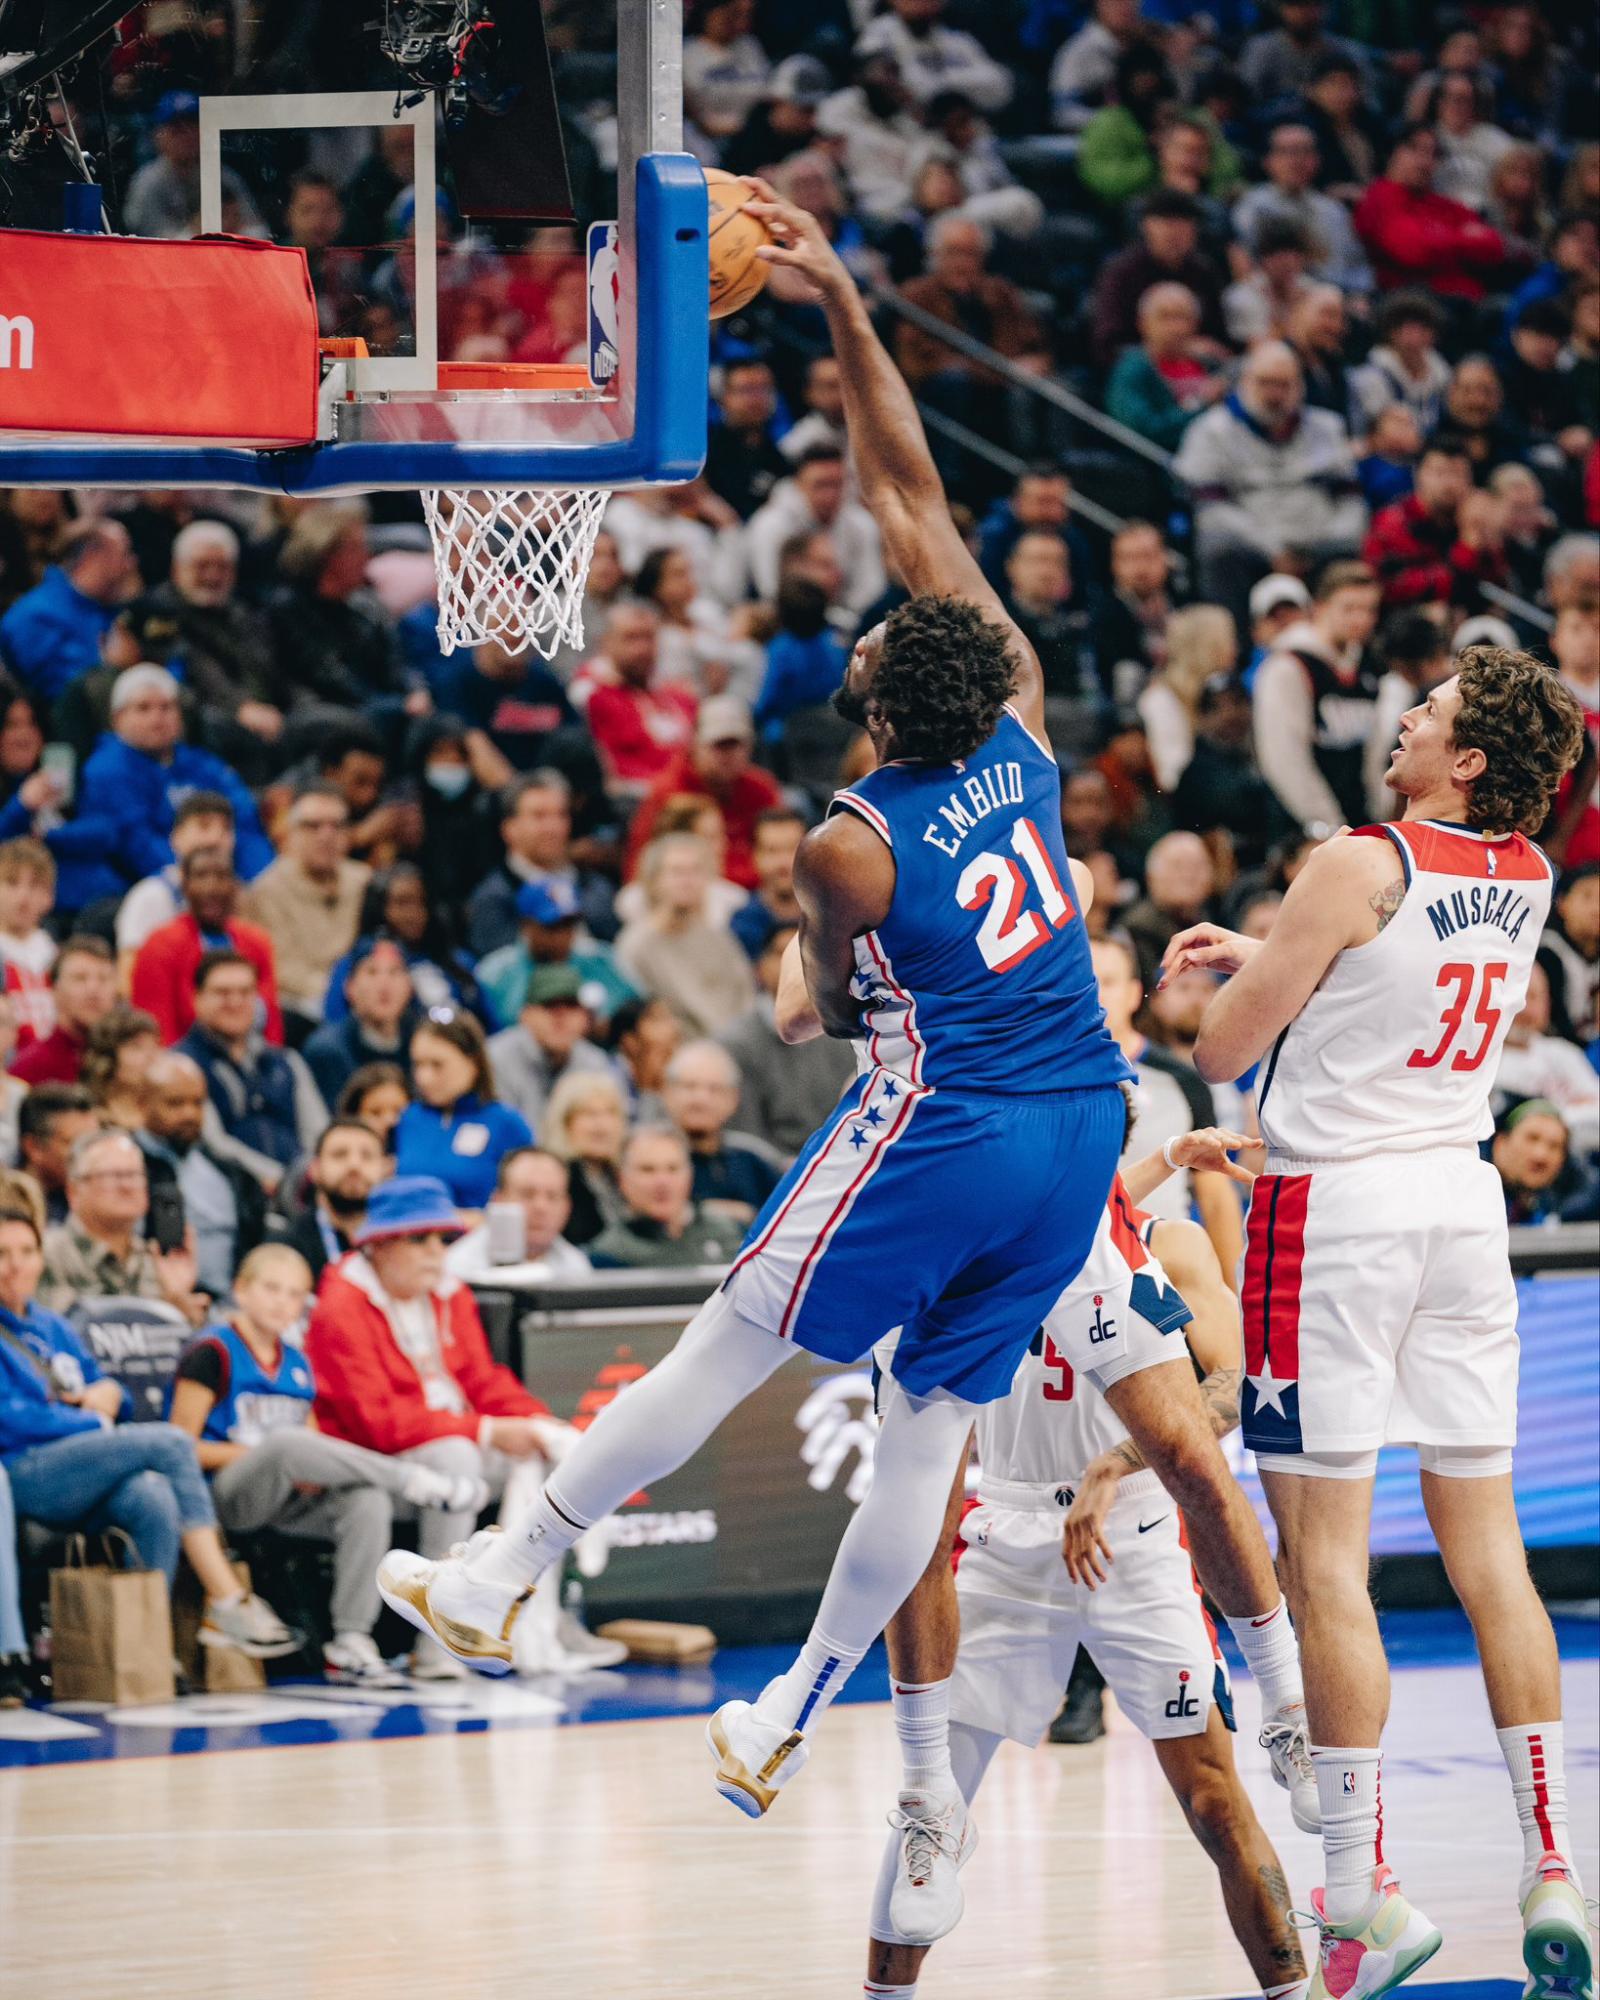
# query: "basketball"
x,y
737,274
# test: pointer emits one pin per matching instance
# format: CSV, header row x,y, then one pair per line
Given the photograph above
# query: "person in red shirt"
x,y
1417,237
165,965
716,767
403,1367
84,980
1444,539
640,727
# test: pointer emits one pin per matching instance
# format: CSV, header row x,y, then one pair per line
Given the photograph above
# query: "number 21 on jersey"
x,y
1011,930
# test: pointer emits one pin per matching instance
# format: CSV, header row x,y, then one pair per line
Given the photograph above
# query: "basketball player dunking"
x,y
1378,1301
956,1189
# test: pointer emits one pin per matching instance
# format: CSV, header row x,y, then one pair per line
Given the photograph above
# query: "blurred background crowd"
x,y
1260,349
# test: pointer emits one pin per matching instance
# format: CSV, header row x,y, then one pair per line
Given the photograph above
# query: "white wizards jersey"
x,y
1396,1051
1055,1421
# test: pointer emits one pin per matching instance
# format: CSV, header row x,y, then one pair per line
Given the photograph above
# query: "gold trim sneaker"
x,y
1359,1961
755,1758
1556,1947
937,1839
472,1621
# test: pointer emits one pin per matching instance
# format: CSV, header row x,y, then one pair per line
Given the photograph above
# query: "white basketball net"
x,y
512,565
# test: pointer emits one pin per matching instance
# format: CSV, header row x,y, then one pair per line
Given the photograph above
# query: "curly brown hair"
x,y
1529,728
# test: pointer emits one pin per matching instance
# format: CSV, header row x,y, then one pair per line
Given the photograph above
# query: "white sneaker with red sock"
x,y
1376,1952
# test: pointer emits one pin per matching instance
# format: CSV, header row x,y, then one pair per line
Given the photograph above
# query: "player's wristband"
x,y
1166,1154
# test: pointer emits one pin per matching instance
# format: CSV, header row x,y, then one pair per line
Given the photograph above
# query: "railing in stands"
x,y
1045,387
1518,607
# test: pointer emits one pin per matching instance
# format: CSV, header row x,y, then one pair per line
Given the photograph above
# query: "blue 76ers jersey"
x,y
252,1400
979,978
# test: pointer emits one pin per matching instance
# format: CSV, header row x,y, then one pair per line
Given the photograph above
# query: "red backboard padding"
x,y
124,336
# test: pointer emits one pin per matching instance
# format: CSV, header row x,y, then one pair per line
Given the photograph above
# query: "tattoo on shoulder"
x,y
1385,905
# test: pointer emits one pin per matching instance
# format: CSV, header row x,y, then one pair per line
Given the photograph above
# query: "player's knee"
x,y
1218,1811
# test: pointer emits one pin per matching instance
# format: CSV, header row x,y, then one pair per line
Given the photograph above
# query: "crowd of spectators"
x,y
291,905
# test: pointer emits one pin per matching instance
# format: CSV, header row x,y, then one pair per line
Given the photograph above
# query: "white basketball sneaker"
x,y
1361,1960
755,1758
937,1840
1556,1947
472,1621
1287,1742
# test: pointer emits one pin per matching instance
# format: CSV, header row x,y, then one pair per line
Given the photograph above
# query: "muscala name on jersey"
x,y
988,792
1483,903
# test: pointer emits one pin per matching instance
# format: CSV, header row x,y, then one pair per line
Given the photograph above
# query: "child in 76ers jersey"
x,y
1378,1302
1073,1541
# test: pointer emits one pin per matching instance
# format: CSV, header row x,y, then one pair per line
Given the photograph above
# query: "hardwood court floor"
x,y
595,1863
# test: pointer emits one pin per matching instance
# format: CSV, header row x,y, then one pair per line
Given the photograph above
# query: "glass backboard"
x,y
504,241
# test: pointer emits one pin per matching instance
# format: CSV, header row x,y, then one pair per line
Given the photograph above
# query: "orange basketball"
x,y
737,274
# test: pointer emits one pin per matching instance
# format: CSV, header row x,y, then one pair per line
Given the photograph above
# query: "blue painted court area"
x,y
296,1712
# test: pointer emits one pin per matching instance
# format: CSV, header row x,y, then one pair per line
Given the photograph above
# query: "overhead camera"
x,y
452,48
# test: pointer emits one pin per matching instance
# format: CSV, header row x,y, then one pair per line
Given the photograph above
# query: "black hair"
x,y
351,736
47,1102
1277,233
1172,205
1335,63
647,580
1411,639
1447,443
1401,308
218,961
820,453
1545,316
802,607
345,1121
464,1033
1409,133
509,1160
779,816
942,677
202,805
545,779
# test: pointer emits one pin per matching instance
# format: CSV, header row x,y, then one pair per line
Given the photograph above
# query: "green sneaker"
x,y
1556,1947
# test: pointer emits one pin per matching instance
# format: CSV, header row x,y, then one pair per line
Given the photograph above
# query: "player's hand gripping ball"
x,y
735,236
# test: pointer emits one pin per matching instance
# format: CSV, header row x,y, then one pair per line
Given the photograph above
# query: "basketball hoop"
x,y
512,564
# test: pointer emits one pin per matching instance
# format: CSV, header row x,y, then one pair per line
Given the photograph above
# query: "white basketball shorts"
x,y
1023,1618
1378,1306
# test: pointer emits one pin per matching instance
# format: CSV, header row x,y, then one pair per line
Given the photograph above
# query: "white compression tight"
x,y
971,1751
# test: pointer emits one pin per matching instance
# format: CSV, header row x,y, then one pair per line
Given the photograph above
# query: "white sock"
x,y
1535,1756
1297,1989
796,1699
649,1431
922,1722
1352,1827
874,1991
1272,1654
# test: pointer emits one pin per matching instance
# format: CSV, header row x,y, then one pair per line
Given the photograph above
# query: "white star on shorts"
x,y
1269,1389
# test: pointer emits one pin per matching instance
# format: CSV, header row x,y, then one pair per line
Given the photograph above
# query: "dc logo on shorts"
x,y
1183,1704
1103,1328
1350,1782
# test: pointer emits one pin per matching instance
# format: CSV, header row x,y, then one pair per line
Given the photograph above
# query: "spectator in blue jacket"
x,y
14,1681
270,1108
51,636
397,905
806,658
134,782
455,1130
71,1463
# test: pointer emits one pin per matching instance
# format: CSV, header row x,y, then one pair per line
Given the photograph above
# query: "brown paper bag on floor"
x,y
111,1631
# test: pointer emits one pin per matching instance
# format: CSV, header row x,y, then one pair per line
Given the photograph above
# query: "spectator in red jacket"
x,y
165,964
1443,540
1417,237
403,1367
718,767
640,726
84,980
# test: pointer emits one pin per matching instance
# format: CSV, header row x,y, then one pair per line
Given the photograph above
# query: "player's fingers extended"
x,y
1234,1172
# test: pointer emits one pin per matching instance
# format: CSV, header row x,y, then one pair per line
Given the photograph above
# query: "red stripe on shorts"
x,y
1286,1258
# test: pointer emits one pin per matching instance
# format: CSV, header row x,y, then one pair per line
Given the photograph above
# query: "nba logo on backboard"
x,y
605,278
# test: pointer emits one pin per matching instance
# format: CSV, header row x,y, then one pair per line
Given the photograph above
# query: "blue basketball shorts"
x,y
955,1217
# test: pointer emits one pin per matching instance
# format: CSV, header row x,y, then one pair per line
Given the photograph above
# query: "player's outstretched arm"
x,y
899,482
1345,894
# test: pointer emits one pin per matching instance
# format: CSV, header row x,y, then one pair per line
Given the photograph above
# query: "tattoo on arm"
x,y
1220,1394
1385,904
1128,1456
